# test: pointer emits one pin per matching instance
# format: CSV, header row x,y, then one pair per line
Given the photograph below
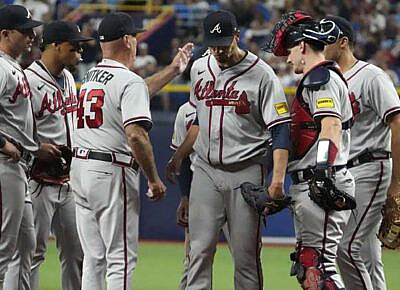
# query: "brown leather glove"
x,y
53,172
389,231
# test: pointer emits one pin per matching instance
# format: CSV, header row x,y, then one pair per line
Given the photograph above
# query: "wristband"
x,y
326,153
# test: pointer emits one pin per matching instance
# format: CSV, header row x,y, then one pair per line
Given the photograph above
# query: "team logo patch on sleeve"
x,y
281,108
325,103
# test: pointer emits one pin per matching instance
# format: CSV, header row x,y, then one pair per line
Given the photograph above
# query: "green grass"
x,y
160,264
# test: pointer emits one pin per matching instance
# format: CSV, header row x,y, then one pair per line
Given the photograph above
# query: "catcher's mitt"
x,y
389,231
53,172
259,199
324,193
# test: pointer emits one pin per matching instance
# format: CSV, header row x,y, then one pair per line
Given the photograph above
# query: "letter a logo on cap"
x,y
217,28
29,16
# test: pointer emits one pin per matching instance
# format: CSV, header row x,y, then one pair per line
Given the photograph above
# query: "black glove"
x,y
324,192
259,199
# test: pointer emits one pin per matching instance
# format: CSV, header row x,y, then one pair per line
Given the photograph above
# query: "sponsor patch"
x,y
281,108
325,103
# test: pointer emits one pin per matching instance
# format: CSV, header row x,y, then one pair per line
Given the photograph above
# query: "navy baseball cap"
x,y
61,31
115,25
17,17
345,26
219,28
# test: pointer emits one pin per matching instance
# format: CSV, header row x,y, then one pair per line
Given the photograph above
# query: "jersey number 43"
x,y
96,99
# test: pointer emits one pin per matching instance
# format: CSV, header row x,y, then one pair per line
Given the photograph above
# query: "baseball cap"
x,y
115,25
16,17
345,26
61,31
219,28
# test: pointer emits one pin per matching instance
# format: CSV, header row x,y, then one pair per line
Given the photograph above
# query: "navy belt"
x,y
368,157
307,174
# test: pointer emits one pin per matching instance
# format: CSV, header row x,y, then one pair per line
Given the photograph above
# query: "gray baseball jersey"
x,y
16,118
375,99
115,96
54,107
235,107
111,98
183,120
330,100
17,123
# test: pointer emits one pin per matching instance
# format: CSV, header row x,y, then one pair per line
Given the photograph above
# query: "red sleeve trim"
x,y
137,119
327,113
279,121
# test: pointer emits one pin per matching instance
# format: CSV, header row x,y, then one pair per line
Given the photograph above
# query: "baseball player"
x,y
321,120
375,137
183,122
54,104
111,143
18,138
239,104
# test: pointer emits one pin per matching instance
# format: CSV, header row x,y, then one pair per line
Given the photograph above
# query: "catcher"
x,y
322,189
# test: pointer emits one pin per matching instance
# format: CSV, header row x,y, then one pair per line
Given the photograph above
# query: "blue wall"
x,y
157,220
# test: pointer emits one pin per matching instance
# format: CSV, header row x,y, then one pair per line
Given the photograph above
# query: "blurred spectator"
x,y
145,64
40,9
91,54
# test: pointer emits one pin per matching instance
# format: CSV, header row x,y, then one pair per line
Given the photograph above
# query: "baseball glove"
x,y
389,231
328,196
259,199
53,172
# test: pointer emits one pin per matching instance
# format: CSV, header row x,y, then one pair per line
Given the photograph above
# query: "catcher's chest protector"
x,y
304,130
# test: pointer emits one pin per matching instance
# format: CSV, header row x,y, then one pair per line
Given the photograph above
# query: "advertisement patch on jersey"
x,y
281,108
325,103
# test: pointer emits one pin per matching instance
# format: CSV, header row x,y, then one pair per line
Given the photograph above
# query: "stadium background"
x,y
170,24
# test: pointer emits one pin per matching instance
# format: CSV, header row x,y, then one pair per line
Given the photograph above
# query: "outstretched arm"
x,y
157,81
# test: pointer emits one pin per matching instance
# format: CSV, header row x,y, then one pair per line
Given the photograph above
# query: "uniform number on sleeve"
x,y
95,98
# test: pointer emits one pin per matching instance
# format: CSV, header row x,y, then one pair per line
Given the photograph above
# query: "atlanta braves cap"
x,y
219,28
115,25
345,27
16,17
60,31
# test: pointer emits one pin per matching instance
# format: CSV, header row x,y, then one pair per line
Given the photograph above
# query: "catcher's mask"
x,y
294,27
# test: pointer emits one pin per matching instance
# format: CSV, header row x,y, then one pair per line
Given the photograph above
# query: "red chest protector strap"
x,y
304,129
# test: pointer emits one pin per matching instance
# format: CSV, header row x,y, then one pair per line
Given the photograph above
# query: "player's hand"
x,y
276,190
48,152
182,213
173,168
156,190
182,58
12,151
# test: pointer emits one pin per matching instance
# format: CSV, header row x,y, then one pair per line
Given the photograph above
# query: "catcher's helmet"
x,y
297,26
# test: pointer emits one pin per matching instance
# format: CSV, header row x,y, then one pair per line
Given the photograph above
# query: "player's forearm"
x,y
395,145
157,81
140,143
187,146
331,128
280,164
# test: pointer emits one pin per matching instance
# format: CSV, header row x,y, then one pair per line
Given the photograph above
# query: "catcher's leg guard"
x,y
308,271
